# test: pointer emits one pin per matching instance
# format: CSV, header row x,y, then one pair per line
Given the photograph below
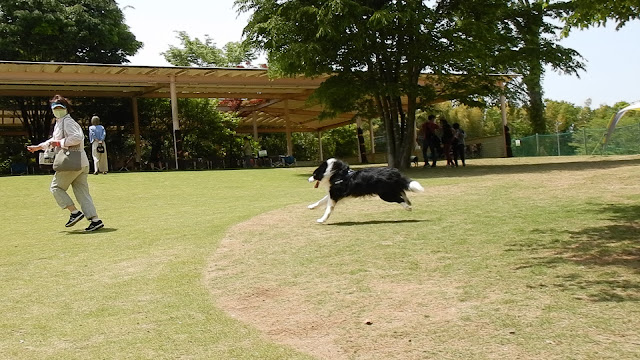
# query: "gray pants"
x,y
78,181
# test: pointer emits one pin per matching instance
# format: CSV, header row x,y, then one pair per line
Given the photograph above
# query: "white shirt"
x,y
74,137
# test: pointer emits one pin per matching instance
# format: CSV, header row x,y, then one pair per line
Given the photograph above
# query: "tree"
x,y
587,13
534,25
83,31
207,133
376,52
539,33
195,52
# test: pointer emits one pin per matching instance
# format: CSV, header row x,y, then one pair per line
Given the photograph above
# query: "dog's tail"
x,y
415,186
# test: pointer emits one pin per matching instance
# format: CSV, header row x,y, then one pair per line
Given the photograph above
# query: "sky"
x,y
611,57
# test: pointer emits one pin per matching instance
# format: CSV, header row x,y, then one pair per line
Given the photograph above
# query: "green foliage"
x,y
195,52
561,116
82,31
536,45
275,144
587,13
581,131
206,132
65,30
305,146
12,150
377,50
340,142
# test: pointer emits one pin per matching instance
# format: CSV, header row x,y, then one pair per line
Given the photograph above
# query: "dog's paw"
x,y
312,206
320,221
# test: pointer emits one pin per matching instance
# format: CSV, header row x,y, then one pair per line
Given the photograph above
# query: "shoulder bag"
x,y
68,159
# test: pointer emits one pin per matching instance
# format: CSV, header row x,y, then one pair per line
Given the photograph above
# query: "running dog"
x,y
341,182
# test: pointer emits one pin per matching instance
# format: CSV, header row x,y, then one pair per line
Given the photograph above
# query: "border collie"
x,y
341,182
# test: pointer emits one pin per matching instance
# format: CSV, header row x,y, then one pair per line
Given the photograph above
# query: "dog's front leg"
x,y
330,205
316,204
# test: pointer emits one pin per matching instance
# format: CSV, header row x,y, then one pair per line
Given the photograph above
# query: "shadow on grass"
x,y
82,232
481,170
614,246
374,222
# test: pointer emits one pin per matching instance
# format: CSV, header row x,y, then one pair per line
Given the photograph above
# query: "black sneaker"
x,y
95,225
74,218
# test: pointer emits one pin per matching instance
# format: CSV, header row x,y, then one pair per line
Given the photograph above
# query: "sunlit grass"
x,y
507,258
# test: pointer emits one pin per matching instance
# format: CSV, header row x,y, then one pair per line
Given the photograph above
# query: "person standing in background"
x,y
458,144
447,140
430,140
97,134
247,150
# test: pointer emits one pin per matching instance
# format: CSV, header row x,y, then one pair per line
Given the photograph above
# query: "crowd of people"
x,y
442,139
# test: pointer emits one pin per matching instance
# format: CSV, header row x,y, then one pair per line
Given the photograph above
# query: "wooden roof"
x,y
106,80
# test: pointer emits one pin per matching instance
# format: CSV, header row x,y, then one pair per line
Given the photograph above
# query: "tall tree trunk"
x,y
533,82
533,76
408,141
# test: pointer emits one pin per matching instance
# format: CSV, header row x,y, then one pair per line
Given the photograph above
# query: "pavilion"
x,y
283,105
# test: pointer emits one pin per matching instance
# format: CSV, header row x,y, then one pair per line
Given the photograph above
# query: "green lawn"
x,y
507,258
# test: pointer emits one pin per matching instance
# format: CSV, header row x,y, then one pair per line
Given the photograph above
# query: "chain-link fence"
x,y
624,141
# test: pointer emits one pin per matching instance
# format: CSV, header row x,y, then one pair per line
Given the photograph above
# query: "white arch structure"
x,y
616,118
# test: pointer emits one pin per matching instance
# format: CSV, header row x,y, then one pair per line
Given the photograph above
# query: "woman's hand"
x,y
33,148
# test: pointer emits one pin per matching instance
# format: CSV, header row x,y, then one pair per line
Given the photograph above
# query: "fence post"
x,y
537,145
584,134
558,140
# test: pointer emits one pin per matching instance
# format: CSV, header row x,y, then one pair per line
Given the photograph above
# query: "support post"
x,y
254,118
288,122
320,145
136,130
371,138
558,140
505,129
174,116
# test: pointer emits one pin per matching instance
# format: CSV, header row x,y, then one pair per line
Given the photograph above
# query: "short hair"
x,y
455,126
61,100
431,117
95,120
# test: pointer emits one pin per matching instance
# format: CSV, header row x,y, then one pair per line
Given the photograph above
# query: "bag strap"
x,y
64,132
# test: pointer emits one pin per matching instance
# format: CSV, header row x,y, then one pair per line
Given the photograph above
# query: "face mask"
x,y
59,113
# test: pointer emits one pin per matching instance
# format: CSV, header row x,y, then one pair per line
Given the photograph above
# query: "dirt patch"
x,y
266,273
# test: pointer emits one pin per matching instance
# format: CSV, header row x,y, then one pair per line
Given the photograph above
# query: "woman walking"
x,y
67,138
97,134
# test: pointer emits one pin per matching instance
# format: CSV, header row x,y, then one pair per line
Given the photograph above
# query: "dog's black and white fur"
x,y
342,182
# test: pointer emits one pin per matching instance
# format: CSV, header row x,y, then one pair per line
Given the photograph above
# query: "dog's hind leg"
x,y
407,203
400,198
330,205
320,202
